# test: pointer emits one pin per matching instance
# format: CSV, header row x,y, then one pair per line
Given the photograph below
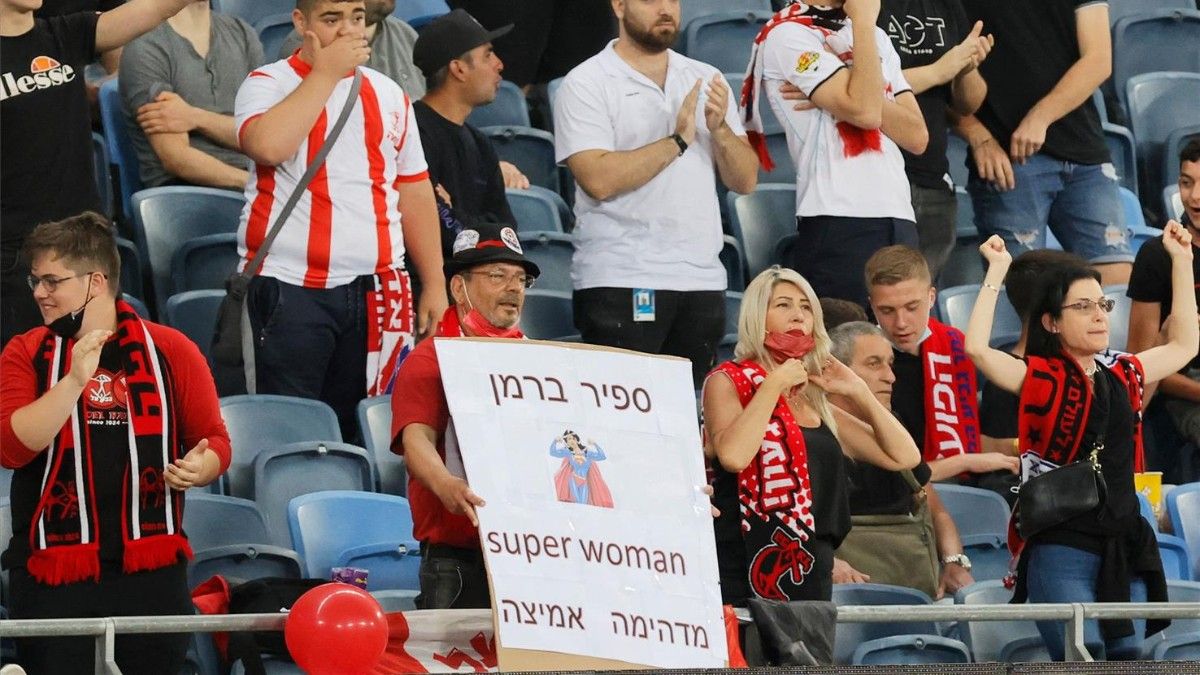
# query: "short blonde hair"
x,y
752,331
891,265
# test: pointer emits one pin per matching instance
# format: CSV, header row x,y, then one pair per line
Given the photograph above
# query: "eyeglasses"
x,y
499,279
51,282
1087,305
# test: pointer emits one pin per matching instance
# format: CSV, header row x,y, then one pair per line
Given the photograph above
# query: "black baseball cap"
x,y
448,37
487,241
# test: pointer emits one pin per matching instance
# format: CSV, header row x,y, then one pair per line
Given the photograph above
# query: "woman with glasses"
x,y
1074,409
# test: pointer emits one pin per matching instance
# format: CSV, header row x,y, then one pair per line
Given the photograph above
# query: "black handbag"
x,y
232,344
1060,495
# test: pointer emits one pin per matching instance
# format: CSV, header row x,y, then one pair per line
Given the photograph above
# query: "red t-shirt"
x,y
419,397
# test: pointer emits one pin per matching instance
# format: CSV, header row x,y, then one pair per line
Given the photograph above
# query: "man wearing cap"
x,y
643,128
331,308
488,275
462,72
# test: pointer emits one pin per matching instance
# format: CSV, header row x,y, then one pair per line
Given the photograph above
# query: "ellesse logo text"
x,y
44,72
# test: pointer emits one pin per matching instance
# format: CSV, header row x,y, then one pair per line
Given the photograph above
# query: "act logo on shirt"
x,y
106,390
44,72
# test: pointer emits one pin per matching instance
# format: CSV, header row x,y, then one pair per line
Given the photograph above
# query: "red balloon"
x,y
336,629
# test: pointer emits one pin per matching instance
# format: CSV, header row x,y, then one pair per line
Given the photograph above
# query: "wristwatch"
x,y
683,146
960,559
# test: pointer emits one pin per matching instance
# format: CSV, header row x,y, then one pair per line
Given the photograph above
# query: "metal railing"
x,y
1074,614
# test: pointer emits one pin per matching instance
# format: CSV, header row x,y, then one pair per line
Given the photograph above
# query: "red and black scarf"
x,y
951,406
774,496
65,534
1055,403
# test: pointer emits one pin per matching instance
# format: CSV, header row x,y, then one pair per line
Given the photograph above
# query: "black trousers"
x,y
832,250
452,578
155,593
311,343
688,324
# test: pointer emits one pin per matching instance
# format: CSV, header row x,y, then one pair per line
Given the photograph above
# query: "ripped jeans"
x,y
1079,203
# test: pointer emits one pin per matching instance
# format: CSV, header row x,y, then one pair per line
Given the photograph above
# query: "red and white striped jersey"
x,y
347,224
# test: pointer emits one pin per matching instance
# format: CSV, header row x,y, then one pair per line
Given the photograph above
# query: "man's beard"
x,y
378,11
649,40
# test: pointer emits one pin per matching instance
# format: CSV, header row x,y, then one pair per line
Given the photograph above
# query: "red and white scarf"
x,y
774,495
65,533
389,329
752,84
951,405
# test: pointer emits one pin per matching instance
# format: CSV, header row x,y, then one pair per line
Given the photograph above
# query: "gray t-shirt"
x,y
163,60
391,54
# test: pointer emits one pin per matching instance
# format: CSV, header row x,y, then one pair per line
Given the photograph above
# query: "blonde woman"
x,y
776,445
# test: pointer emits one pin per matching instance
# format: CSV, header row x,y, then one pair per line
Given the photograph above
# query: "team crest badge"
x,y
509,237
806,61
465,241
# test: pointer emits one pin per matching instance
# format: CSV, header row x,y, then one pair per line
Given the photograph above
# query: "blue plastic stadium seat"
x,y
271,665
253,11
329,528
273,31
508,109
1175,35
552,252
531,150
761,219
1160,103
1174,553
242,562
987,638
295,469
137,304
850,635
406,10
981,515
954,305
116,138
1118,319
100,162
734,262
258,422
204,262
211,521
910,650
375,425
1182,648
131,267
1025,650
1119,9
1147,511
194,313
548,314
538,209
724,39
1123,151
167,217
396,600
1177,591
1183,508
694,9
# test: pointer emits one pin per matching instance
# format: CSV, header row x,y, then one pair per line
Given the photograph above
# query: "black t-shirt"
x,y
879,492
998,412
922,31
1035,46
1151,279
60,7
46,168
107,425
1118,514
462,160
908,395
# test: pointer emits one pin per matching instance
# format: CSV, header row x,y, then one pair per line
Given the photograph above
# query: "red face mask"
x,y
478,325
794,344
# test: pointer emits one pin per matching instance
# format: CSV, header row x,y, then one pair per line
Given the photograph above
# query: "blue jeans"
x,y
1064,574
1078,202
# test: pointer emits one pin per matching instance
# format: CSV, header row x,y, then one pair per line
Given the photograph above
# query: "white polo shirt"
x,y
843,171
347,224
665,235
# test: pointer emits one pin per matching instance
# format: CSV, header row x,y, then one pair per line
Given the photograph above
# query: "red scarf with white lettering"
x,y
774,495
65,532
389,329
951,406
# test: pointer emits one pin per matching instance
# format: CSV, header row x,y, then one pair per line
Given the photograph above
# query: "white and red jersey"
x,y
347,224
